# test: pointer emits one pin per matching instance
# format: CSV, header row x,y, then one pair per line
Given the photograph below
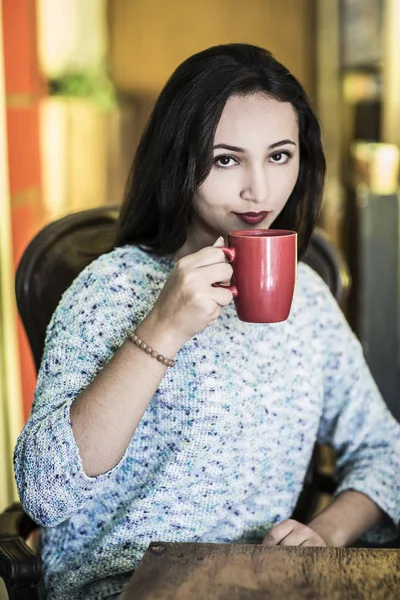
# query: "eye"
x,y
280,158
224,161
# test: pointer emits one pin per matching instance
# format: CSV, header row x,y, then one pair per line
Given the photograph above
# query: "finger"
x,y
216,273
314,542
206,256
295,538
279,532
300,534
219,242
222,296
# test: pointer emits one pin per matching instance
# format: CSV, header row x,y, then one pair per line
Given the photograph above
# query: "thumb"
x,y
219,242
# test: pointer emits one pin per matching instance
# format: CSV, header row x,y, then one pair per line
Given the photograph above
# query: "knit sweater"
x,y
222,450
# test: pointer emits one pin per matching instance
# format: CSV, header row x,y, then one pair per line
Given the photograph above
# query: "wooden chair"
x,y
48,266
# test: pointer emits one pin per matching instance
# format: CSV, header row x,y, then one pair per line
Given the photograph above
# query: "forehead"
x,y
256,117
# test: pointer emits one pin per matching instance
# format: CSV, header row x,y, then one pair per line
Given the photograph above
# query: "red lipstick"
x,y
252,218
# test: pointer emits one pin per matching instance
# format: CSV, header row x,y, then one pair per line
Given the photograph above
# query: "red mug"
x,y
264,265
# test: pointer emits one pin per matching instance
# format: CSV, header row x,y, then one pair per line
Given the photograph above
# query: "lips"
x,y
252,218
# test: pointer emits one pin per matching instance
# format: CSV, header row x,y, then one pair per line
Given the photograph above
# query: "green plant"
x,y
94,85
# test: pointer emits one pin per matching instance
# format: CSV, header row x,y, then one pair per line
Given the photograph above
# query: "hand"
x,y
293,533
188,303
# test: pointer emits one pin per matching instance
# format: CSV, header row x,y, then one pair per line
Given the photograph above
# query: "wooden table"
x,y
255,572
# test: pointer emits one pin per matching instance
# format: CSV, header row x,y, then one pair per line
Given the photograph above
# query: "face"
x,y
255,168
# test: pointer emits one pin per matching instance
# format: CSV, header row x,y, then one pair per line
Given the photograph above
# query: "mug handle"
x,y
230,254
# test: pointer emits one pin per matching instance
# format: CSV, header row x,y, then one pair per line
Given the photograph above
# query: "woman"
x,y
123,448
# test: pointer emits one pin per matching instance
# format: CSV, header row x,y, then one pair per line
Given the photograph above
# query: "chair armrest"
x,y
20,567
325,483
14,522
319,480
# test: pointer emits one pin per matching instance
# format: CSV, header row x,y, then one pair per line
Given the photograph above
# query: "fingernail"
x,y
219,241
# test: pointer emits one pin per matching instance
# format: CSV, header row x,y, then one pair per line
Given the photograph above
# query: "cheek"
x,y
290,183
214,192
286,184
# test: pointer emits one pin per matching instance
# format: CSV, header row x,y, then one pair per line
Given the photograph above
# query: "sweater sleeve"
x,y
86,329
356,420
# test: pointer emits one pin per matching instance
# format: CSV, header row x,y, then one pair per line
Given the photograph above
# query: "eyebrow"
x,y
242,150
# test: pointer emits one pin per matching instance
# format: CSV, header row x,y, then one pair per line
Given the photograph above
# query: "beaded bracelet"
x,y
146,348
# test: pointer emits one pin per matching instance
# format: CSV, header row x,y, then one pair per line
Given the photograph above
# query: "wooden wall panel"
x,y
149,38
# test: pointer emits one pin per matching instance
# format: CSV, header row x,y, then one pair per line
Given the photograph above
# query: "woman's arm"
x,y
358,425
349,516
106,414
94,386
356,422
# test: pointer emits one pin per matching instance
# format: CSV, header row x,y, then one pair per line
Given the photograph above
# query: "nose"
x,y
255,186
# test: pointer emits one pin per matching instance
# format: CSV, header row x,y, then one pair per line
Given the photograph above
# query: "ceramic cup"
x,y
264,265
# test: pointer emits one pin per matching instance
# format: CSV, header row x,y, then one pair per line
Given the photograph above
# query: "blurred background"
x,y
77,81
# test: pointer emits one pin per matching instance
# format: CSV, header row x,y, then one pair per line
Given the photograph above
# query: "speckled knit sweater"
x,y
222,450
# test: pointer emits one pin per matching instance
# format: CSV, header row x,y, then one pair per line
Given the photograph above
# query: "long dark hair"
x,y
175,153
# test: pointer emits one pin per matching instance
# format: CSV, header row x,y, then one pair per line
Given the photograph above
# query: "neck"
x,y
197,238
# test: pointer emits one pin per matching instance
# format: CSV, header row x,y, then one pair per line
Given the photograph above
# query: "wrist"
x,y
159,335
345,520
329,531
